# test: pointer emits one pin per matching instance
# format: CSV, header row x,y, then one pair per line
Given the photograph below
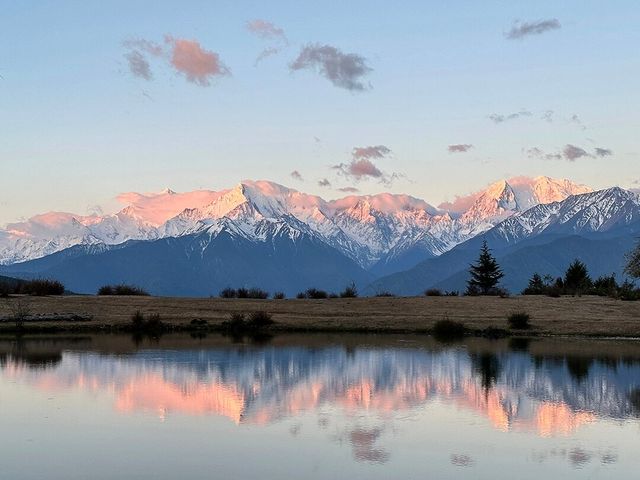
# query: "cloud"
x,y
344,70
377,151
520,30
349,190
187,57
324,183
138,65
268,31
296,175
547,116
573,153
361,166
459,148
198,65
576,119
570,153
500,118
603,152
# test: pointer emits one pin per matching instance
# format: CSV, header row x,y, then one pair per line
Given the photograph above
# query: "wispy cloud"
x,y
324,183
377,151
459,148
187,57
296,175
575,119
270,32
573,153
501,118
138,65
569,152
521,30
603,152
349,190
344,70
266,30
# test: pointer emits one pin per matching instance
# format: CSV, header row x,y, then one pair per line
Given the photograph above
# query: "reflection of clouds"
x,y
577,456
461,460
364,450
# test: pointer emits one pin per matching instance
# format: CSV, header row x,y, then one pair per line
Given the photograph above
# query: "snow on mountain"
x,y
368,229
585,213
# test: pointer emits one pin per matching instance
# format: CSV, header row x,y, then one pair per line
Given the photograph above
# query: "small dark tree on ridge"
x,y
485,273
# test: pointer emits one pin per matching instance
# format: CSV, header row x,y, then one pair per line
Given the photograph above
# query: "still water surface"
x,y
318,407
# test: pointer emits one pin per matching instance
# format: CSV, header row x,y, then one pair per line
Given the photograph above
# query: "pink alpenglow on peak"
x,y
364,227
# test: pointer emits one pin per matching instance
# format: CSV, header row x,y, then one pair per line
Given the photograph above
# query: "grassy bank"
x,y
583,316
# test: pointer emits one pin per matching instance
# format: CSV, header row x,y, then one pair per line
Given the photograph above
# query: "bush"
x,y
452,293
313,293
279,296
606,286
628,292
40,287
448,329
152,324
385,294
122,289
519,320
433,292
260,319
229,293
240,324
350,291
242,292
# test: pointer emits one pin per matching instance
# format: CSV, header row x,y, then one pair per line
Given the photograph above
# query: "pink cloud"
x,y
198,65
361,167
187,57
265,29
364,168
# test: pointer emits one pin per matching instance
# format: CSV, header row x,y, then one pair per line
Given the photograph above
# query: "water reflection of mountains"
x,y
547,394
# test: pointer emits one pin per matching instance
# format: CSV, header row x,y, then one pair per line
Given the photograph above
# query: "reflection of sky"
x,y
361,398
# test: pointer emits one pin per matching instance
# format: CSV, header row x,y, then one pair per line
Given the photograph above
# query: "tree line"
x,y
485,275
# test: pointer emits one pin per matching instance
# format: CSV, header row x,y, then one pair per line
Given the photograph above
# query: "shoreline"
x,y
588,316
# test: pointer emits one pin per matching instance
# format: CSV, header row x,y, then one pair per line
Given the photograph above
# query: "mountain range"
x,y
266,235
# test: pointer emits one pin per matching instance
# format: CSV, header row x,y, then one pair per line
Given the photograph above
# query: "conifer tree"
x,y
485,273
576,278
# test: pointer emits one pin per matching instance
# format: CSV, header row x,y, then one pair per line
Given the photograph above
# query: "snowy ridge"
x,y
368,229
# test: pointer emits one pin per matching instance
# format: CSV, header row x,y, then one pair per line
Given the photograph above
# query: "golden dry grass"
x,y
590,316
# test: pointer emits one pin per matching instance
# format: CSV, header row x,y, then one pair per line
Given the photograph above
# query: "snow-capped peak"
x,y
366,228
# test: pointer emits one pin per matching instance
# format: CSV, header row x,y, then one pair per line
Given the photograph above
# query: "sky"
x,y
430,98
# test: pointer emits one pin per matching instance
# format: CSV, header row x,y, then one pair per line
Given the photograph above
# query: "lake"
x,y
317,407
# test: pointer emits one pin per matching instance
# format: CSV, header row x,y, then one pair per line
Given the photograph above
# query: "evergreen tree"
x,y
485,273
537,286
576,278
633,262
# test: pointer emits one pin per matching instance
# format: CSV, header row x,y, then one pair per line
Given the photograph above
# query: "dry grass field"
x,y
586,316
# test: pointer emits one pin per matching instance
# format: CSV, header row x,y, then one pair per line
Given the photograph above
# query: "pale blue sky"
x,y
77,128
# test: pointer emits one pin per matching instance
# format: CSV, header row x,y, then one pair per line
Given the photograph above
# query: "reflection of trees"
x,y
634,398
20,353
487,366
579,367
518,344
